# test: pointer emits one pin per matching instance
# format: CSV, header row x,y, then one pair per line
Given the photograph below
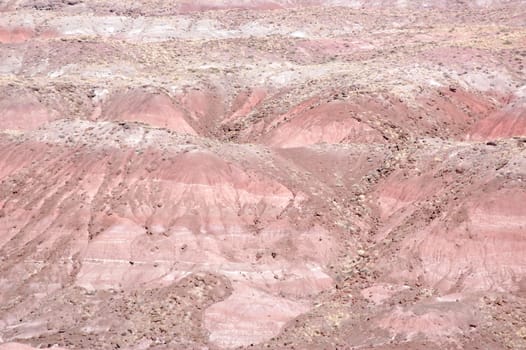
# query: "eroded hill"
x,y
263,174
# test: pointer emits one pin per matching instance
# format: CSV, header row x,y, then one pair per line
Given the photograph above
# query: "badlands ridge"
x,y
262,174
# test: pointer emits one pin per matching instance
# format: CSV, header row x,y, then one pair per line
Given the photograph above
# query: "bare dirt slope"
x,y
262,174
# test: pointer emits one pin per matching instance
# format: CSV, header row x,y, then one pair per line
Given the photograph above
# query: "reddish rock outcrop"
x,y
328,123
507,122
23,113
155,109
15,35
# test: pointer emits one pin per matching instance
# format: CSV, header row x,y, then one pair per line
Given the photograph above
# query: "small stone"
x,y
361,253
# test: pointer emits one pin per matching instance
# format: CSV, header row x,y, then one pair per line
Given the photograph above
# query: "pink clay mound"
x,y
257,174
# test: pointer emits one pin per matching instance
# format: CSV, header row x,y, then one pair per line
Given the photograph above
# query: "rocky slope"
x,y
262,174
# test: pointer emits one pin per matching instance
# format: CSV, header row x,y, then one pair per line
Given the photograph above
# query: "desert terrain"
x,y
262,174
